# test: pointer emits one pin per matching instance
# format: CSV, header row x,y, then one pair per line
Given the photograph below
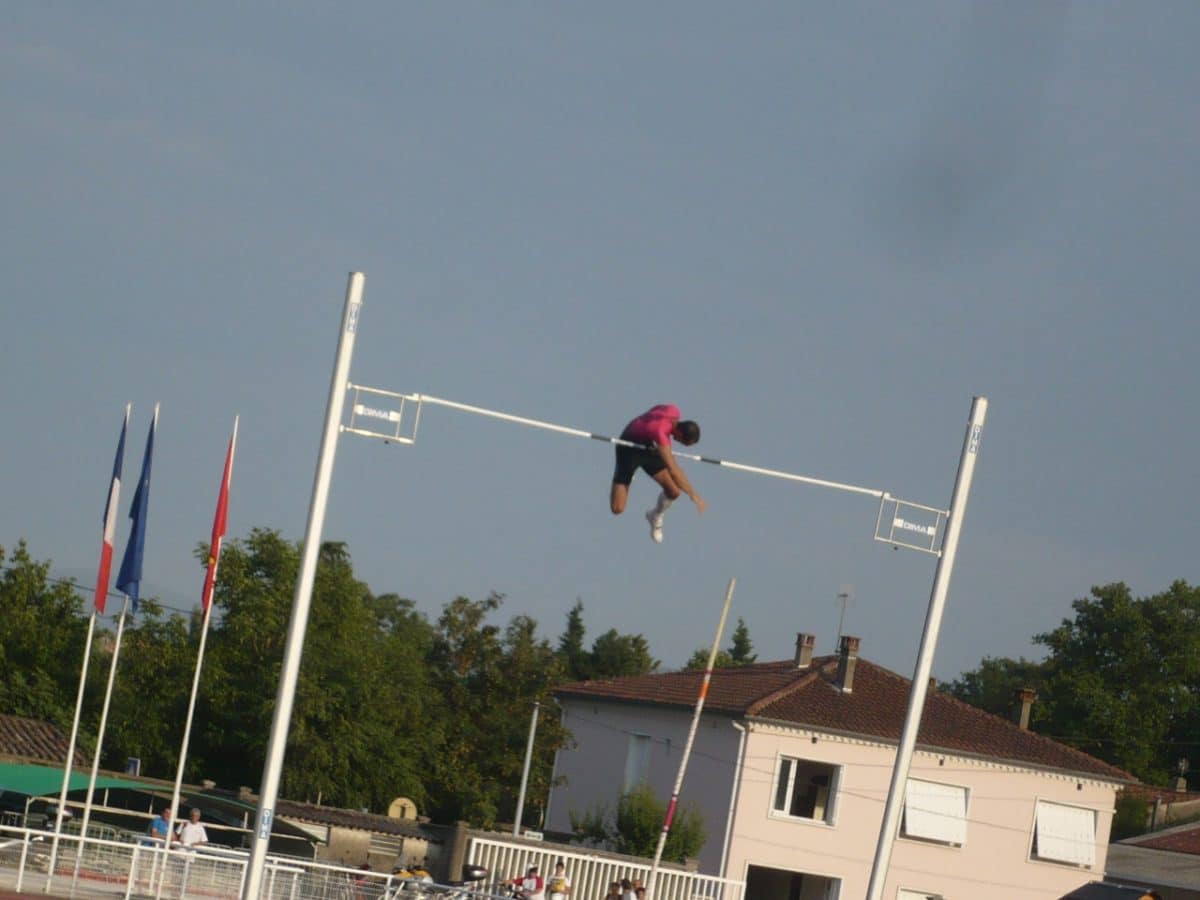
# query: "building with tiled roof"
x,y
30,739
1167,861
791,767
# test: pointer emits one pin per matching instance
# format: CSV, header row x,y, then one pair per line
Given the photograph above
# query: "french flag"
x,y
110,520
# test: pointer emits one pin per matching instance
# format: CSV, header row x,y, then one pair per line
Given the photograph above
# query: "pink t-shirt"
x,y
653,426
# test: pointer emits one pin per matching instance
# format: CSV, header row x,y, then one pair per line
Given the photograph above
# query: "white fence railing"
x,y
133,868
592,873
128,866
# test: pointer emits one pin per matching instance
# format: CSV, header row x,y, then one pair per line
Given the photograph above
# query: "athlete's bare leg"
x,y
667,483
618,498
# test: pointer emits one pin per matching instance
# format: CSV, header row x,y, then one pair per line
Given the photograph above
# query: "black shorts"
x,y
630,459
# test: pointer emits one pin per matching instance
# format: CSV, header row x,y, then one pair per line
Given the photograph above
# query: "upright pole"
x,y
87,803
62,796
269,789
933,624
652,886
525,771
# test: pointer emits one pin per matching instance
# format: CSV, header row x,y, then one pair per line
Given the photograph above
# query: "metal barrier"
x,y
131,867
128,866
592,872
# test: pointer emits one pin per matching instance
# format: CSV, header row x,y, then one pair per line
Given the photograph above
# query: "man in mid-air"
x,y
654,429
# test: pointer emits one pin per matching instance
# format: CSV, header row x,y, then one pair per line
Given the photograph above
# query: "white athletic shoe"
x,y
656,524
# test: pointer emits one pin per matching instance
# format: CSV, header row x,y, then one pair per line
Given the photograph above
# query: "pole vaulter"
x,y
900,523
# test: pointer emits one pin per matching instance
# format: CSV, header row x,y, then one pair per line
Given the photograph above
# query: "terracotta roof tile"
x,y
34,740
1177,840
875,708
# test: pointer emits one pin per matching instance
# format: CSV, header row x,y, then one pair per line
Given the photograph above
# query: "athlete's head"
x,y
686,432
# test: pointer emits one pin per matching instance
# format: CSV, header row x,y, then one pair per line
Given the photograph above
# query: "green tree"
x,y
571,651
635,826
738,653
1121,679
150,693
741,647
993,685
699,660
42,633
360,724
1125,677
617,655
488,681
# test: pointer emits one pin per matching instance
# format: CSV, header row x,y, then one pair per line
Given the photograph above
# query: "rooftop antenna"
x,y
845,596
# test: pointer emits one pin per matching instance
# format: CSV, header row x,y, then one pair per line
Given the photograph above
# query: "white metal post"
x,y
87,803
62,796
525,771
933,624
269,789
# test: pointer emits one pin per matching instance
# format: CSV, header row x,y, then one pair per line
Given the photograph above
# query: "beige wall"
x,y
992,864
591,769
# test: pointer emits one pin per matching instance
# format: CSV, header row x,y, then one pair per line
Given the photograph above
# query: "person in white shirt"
x,y
191,833
559,885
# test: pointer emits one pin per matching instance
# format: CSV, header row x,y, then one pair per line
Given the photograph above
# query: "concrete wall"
x,y
992,864
595,770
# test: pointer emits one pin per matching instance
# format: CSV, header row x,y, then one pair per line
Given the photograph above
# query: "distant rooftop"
x,y
875,708
38,741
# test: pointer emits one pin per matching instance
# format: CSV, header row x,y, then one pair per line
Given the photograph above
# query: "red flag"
x,y
218,529
110,521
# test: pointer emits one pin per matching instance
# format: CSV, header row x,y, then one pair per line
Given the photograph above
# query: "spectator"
x,y
560,884
160,826
191,834
531,886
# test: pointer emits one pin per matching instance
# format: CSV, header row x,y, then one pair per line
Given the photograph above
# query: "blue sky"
x,y
818,229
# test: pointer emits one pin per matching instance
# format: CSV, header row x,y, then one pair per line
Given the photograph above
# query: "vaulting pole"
x,y
652,887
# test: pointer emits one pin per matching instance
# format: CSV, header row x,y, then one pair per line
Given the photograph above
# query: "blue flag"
x,y
130,576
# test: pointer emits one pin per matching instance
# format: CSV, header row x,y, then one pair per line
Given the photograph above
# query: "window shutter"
x,y
937,812
1066,833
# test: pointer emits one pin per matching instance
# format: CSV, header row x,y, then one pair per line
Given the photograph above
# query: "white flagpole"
x,y
102,581
62,796
87,804
215,552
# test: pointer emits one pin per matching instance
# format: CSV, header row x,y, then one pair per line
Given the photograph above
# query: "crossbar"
x,y
423,399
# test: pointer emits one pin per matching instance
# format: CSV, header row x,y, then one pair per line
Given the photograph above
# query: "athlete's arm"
x,y
668,458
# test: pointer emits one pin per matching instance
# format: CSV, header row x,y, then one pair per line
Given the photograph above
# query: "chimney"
x,y
847,657
1024,696
804,649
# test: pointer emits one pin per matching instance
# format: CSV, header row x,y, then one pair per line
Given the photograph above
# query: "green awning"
x,y
44,781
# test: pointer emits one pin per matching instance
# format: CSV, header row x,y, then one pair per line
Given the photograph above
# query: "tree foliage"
x,y
387,703
739,652
634,826
1121,679
613,655
42,634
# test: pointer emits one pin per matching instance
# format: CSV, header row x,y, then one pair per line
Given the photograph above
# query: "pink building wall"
x,y
993,863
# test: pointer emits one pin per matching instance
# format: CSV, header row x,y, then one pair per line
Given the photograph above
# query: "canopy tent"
x,y
44,781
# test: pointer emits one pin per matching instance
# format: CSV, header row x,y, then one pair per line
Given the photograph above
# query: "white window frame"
x,y
1064,834
637,761
783,761
909,894
934,812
